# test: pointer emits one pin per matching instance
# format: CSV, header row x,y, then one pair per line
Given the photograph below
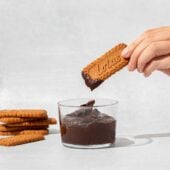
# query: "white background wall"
x,y
44,44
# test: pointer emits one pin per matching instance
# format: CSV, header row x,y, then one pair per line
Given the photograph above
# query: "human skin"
x,y
150,52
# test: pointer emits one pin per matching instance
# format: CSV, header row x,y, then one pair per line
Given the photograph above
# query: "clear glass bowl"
x,y
87,126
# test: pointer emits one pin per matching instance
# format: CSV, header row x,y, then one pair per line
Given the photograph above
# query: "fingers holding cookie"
x,y
151,44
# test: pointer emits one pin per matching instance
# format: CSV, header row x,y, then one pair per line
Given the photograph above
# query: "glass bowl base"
x,y
97,146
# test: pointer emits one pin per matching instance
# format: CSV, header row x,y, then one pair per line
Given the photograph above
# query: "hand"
x,y
150,52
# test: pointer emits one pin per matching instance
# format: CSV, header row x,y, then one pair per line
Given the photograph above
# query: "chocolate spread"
x,y
88,126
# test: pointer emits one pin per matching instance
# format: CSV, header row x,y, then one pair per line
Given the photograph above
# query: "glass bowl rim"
x,y
112,102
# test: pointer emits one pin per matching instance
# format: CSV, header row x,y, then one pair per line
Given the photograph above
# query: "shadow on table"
x,y
130,141
123,142
138,140
153,135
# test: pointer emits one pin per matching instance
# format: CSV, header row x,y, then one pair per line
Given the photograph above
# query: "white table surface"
x,y
142,152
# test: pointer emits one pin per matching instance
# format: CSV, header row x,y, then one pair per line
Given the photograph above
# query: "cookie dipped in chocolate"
x,y
96,72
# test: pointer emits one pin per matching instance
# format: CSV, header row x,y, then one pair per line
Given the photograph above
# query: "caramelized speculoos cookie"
x,y
17,119
20,139
27,113
4,128
103,67
25,132
34,123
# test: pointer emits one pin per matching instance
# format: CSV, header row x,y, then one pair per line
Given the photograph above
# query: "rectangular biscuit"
x,y
25,132
34,123
4,128
17,119
27,113
103,67
20,139
28,132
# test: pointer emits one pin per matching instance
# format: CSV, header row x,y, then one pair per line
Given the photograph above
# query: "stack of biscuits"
x,y
23,126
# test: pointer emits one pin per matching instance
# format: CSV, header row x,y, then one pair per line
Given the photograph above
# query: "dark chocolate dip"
x,y
88,126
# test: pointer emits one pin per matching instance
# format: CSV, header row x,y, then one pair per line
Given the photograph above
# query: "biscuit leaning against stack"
x,y
25,126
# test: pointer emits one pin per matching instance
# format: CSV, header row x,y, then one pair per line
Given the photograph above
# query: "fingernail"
x,y
125,53
140,70
146,75
130,68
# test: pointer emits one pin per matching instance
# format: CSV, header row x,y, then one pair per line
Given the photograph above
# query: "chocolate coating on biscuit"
x,y
92,84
